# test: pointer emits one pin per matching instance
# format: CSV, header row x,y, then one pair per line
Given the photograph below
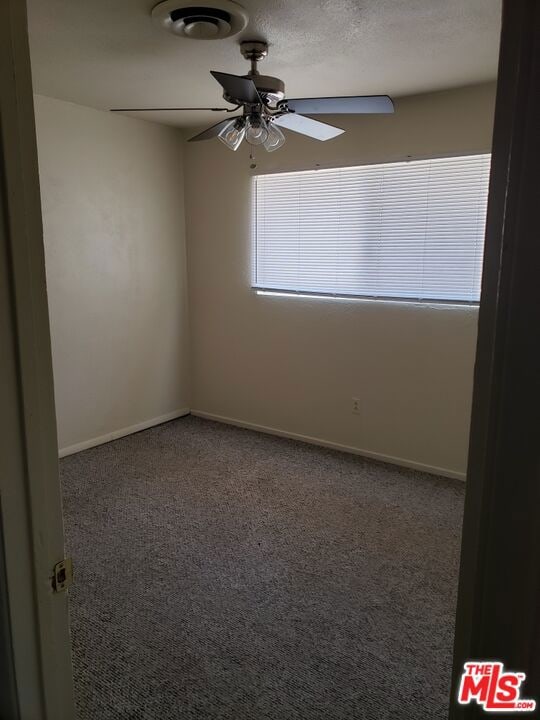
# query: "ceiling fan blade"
x,y
167,108
237,87
342,105
210,132
308,126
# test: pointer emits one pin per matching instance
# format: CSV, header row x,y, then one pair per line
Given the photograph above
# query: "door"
x,y
36,682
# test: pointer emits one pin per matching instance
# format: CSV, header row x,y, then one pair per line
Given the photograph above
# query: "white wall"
x,y
294,364
113,212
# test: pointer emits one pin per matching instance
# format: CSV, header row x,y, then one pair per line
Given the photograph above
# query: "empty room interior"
x,y
263,227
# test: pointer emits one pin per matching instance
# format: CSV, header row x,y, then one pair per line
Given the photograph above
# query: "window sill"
x,y
465,304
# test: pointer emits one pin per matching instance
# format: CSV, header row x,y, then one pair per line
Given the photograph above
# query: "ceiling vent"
x,y
219,19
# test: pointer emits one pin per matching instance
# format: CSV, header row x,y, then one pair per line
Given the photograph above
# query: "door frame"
x,y
503,490
498,613
36,643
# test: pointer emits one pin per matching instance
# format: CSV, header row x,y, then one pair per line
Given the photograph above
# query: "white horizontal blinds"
x,y
401,230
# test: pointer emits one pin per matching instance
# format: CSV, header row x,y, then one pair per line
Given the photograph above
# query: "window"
x,y
408,230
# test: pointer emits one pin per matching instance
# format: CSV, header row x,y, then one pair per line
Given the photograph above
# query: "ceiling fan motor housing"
x,y
212,21
270,88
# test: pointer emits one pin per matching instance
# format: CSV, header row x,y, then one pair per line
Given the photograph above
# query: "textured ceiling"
x,y
110,54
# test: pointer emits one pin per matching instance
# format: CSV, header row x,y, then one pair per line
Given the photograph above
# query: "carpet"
x,y
225,574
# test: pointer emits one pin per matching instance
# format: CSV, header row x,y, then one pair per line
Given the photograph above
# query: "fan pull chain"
x,y
252,158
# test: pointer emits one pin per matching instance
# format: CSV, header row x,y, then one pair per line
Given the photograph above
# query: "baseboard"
x,y
122,432
402,462
72,449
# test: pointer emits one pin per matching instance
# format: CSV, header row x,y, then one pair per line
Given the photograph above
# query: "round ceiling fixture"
x,y
214,21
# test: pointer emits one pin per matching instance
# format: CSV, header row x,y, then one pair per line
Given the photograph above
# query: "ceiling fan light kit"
x,y
265,110
255,130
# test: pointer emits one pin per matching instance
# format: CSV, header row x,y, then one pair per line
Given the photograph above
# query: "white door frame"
x,y
30,501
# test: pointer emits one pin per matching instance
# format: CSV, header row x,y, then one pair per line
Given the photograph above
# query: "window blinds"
x,y
409,230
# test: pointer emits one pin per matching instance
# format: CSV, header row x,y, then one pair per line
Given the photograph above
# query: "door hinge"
x,y
62,575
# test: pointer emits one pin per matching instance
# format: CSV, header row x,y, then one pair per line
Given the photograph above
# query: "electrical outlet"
x,y
356,407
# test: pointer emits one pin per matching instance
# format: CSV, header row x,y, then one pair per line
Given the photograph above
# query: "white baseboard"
x,y
403,462
85,444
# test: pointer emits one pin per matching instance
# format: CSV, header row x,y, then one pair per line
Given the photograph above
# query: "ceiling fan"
x,y
265,110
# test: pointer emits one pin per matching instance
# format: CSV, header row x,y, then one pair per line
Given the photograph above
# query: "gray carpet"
x,y
221,573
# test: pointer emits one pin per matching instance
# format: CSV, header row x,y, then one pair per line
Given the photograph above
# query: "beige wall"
x,y
293,364
112,193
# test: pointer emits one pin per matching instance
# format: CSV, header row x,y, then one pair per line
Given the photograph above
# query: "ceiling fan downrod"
x,y
254,51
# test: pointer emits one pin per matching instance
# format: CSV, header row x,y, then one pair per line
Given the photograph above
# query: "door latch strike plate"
x,y
62,575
